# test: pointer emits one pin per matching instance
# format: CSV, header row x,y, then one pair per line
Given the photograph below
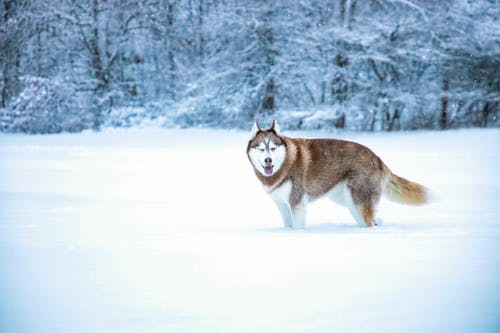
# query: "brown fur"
x,y
401,190
315,166
368,214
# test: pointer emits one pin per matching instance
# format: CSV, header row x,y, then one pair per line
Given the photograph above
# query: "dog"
x,y
296,171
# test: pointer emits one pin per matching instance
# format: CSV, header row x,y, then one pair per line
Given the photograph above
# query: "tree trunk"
x,y
346,11
97,64
95,52
340,121
170,53
268,102
201,39
485,113
443,119
10,64
393,121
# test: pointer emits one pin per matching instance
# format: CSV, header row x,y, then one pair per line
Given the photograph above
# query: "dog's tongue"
x,y
268,170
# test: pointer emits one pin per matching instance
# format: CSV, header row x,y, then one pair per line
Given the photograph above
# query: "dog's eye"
x,y
261,149
273,149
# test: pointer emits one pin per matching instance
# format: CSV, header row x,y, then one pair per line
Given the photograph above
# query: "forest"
x,y
362,65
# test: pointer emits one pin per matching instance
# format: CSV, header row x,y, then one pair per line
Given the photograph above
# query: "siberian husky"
x,y
295,171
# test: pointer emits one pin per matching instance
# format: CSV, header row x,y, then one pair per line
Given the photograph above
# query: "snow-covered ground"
x,y
169,231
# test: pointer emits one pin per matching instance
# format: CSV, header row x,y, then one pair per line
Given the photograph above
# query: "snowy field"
x,y
169,231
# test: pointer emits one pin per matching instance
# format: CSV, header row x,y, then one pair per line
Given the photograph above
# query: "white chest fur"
x,y
280,194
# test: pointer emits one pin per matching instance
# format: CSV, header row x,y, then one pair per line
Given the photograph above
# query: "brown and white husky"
x,y
295,171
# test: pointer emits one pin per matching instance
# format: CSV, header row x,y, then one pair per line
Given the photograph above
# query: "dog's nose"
x,y
268,160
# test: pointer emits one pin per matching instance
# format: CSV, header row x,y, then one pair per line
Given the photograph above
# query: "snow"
x,y
169,231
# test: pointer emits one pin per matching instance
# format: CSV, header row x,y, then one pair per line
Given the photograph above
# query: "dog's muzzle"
x,y
268,166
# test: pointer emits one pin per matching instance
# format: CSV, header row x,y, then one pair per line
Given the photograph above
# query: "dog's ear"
x,y
276,128
255,129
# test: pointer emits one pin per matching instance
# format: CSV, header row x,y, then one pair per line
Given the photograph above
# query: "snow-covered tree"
x,y
363,65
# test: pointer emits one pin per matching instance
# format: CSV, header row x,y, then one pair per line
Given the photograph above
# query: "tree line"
x,y
375,65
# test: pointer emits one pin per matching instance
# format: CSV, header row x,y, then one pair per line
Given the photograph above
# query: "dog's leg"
x,y
363,213
299,216
356,214
368,214
286,213
361,199
298,203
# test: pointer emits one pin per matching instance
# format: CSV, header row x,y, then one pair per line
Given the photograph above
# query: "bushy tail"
x,y
404,191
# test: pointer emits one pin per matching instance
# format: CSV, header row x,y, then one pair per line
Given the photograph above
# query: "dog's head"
x,y
266,149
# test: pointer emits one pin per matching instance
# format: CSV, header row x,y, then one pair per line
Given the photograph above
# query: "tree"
x,y
16,26
359,65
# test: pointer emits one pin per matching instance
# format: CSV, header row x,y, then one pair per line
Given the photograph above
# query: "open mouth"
x,y
268,169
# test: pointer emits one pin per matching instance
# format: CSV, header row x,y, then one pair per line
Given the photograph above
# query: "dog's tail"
x,y
401,190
